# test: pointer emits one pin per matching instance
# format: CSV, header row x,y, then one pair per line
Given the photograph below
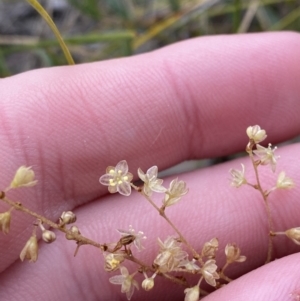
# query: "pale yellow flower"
x,y
127,282
209,272
170,254
174,193
284,182
24,177
117,179
256,134
266,155
151,183
233,253
238,177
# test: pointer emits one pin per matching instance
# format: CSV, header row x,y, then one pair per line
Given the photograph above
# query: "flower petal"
x,y
119,279
122,166
152,172
104,180
141,175
124,188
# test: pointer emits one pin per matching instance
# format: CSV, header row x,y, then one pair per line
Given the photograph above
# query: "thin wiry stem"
x,y
82,240
162,213
267,206
78,237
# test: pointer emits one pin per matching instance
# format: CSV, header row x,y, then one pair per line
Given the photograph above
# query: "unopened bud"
x,y
68,218
5,222
48,236
210,248
75,230
192,294
294,235
256,134
148,284
30,251
127,240
24,177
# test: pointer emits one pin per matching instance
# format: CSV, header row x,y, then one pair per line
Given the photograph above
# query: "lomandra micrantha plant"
x,y
176,257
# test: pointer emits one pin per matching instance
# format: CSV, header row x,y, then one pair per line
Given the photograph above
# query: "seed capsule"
x,y
48,236
67,218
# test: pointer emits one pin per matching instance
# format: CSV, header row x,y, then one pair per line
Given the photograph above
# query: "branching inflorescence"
x,y
176,256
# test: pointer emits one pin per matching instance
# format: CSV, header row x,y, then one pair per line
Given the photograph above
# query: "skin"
x,y
193,99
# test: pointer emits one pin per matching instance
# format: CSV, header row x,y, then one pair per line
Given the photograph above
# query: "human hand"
x,y
190,100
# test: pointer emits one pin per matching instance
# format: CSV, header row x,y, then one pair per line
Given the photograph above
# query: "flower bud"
x,y
192,294
24,177
284,182
294,235
30,251
148,284
210,248
5,221
127,240
67,218
73,229
48,236
256,134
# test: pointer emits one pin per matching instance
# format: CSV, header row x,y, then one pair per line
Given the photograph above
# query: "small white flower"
x,y
284,182
128,284
24,177
176,190
170,254
256,134
209,272
238,177
266,155
151,183
233,253
117,179
139,236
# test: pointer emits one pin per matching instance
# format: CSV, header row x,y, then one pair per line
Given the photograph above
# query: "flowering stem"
x,y
195,254
267,206
79,238
276,233
162,213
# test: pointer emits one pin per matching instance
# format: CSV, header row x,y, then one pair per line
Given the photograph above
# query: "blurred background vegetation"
x,y
101,29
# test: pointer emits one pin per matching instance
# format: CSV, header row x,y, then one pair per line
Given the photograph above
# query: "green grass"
x,y
114,28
